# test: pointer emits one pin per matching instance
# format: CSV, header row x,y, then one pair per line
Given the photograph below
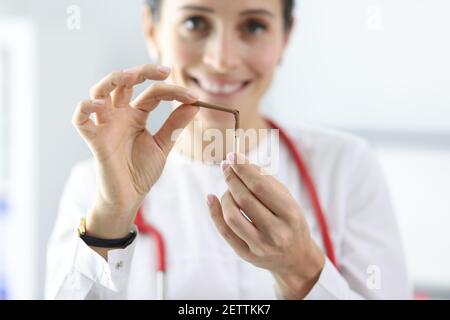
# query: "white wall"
x,y
380,64
419,180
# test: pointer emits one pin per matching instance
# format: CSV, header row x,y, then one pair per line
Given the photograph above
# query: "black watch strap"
x,y
109,243
104,243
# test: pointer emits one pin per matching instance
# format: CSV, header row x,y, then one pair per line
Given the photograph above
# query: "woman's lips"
x,y
224,89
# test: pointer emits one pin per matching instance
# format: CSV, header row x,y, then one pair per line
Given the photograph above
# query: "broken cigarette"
x,y
235,113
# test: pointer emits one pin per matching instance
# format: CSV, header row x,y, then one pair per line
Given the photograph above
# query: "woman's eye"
x,y
255,27
195,24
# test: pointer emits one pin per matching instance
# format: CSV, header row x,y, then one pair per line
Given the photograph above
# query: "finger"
x,y
260,216
103,89
159,91
173,126
121,96
82,116
128,78
148,72
225,231
266,188
233,217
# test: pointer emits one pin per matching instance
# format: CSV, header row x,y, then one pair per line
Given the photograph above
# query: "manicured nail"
x,y
209,200
192,95
231,157
98,102
224,165
163,69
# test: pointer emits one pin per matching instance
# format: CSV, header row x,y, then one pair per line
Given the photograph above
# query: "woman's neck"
x,y
208,142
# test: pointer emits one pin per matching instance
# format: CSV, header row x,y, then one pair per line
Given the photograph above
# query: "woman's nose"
x,y
222,52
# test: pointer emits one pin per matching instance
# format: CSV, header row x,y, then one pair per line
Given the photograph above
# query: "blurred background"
x,y
377,68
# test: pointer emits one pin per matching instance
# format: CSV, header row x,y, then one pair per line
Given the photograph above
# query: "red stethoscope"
x,y
146,228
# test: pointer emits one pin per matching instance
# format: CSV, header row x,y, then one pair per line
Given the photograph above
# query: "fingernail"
x,y
192,95
224,165
209,200
231,157
98,102
163,69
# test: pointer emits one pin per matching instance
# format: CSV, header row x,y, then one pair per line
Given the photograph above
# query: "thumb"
x,y
177,121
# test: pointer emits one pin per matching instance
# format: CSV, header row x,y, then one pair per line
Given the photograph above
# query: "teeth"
x,y
216,88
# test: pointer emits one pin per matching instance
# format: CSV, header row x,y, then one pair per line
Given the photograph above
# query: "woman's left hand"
x,y
277,238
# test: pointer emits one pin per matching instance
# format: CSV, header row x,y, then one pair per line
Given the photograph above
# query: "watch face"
x,y
82,227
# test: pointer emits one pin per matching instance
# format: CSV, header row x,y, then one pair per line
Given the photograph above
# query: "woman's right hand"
x,y
129,159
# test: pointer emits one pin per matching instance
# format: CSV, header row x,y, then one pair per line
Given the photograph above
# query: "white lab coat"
x,y
201,265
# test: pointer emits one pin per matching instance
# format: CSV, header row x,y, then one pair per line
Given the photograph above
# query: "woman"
x,y
261,238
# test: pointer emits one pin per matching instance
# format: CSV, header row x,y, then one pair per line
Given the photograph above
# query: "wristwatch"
x,y
104,243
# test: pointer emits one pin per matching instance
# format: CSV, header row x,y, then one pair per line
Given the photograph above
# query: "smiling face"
x,y
225,51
